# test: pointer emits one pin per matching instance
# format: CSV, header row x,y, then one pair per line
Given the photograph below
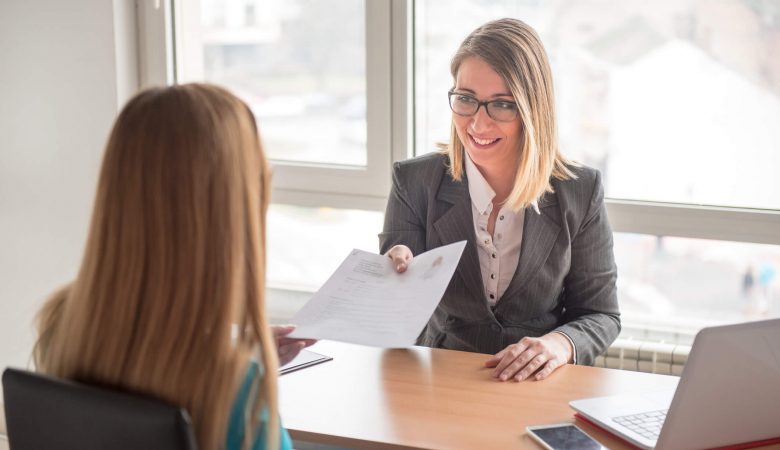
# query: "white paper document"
x,y
367,302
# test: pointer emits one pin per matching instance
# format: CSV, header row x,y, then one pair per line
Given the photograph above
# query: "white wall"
x,y
58,98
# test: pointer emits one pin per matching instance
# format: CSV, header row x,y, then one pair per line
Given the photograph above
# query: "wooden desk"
x,y
436,399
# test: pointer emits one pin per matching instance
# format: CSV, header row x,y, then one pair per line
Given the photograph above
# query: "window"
x,y
317,77
300,66
646,91
306,245
676,102
689,283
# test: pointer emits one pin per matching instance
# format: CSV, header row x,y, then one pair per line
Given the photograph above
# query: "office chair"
x,y
43,412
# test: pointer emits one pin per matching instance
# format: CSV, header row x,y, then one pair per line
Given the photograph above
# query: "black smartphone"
x,y
563,436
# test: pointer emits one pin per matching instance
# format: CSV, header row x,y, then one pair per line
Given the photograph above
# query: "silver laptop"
x,y
729,393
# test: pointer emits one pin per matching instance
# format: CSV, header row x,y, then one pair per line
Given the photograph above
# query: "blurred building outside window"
x,y
675,101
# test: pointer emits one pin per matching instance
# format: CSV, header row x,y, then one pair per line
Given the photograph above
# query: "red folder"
x,y
753,444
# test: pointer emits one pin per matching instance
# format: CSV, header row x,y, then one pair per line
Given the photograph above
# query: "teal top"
x,y
235,434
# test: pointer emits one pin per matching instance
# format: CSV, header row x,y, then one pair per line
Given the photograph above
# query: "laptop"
x,y
728,394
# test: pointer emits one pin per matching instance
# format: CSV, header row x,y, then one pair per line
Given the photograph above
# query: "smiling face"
x,y
492,145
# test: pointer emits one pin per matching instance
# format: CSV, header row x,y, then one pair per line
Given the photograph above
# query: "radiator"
x,y
645,356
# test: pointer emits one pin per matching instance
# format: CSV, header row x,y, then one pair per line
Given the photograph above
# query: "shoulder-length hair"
x,y
515,52
169,299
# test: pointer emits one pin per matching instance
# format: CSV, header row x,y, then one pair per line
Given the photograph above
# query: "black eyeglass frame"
x,y
480,104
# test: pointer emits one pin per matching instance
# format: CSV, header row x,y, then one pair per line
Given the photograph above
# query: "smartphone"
x,y
563,436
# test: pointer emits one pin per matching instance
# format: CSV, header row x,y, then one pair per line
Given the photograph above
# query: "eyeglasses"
x,y
466,105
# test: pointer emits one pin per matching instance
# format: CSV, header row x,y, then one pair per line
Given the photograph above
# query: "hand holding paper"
x,y
288,348
367,302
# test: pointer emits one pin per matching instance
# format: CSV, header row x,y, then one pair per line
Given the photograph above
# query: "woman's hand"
x,y
288,348
520,361
401,256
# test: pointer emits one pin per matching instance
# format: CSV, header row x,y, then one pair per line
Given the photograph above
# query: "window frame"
x,y
390,100
387,101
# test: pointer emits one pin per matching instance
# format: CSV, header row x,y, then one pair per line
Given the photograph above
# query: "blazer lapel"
x,y
457,224
539,235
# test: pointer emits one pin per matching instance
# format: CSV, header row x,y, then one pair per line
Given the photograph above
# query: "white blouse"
x,y
498,254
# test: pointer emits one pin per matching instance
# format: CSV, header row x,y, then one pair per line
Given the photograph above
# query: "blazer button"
x,y
496,327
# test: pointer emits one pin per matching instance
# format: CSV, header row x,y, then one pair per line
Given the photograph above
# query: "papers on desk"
x,y
367,302
305,358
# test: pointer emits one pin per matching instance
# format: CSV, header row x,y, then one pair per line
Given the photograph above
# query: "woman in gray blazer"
x,y
536,283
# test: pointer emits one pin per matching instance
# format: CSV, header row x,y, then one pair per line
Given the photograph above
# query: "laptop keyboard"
x,y
646,424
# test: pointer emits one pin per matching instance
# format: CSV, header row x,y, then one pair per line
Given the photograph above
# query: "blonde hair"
x,y
515,52
174,262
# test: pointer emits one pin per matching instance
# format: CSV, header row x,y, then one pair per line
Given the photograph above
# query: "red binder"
x,y
745,445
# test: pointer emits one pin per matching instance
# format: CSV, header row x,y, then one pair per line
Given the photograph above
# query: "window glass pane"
x,y
695,282
306,245
299,64
673,100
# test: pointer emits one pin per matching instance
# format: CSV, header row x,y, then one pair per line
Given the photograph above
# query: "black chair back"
x,y
44,412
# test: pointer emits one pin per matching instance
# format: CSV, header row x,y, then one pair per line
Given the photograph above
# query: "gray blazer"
x,y
565,279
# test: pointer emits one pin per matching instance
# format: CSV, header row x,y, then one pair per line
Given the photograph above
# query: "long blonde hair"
x,y
174,262
515,52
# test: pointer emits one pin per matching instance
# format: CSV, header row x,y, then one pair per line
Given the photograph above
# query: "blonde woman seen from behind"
x,y
169,299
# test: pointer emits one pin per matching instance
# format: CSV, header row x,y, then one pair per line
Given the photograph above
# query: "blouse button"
x,y
501,217
493,255
492,276
492,296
